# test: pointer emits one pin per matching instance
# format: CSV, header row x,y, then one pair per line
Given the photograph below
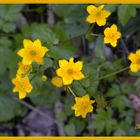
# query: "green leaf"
x,y
101,102
120,102
119,132
43,94
111,7
99,49
127,88
45,33
137,85
103,122
9,27
80,125
74,24
132,26
91,76
68,101
114,90
8,108
10,12
125,13
70,129
47,63
5,53
65,10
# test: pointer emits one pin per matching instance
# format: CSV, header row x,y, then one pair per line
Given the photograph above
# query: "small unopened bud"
x,y
44,78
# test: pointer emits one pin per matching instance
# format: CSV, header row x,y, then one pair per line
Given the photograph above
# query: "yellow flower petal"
x,y
101,21
78,76
138,53
106,13
63,63
101,7
22,95
71,59
90,19
114,43
37,43
114,28
14,89
132,57
67,81
27,43
21,52
79,65
91,8
60,72
134,67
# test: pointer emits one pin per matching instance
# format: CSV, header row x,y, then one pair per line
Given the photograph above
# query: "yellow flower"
x,y
111,35
44,78
32,52
22,85
135,61
97,14
70,71
57,81
83,106
24,69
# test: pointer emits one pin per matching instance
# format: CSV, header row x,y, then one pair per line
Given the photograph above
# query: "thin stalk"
x,y
114,73
96,34
90,28
71,91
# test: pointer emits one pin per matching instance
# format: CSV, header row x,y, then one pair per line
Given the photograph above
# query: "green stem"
x,y
90,28
96,34
71,91
114,73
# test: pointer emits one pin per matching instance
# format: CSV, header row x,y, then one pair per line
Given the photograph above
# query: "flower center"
x,y
84,107
98,13
33,53
70,71
112,36
21,86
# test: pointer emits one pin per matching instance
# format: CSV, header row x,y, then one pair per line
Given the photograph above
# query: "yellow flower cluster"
x,y
99,15
32,52
68,70
111,34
